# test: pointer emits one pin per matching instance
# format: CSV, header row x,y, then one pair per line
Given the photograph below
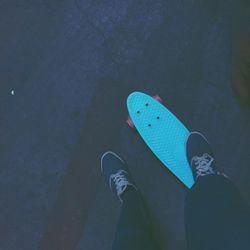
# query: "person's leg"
x,y
216,217
134,230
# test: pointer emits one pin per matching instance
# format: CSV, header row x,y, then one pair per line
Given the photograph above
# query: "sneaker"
x,y
116,174
200,155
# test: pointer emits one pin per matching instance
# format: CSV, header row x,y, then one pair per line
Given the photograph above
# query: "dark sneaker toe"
x,y
110,164
197,145
116,174
200,155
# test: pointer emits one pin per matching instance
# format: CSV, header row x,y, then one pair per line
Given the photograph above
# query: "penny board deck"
x,y
163,132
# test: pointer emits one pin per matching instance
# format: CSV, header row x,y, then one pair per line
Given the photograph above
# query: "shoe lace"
x,y
120,181
203,164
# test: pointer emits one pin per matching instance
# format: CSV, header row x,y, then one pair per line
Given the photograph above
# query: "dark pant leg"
x,y
216,216
134,230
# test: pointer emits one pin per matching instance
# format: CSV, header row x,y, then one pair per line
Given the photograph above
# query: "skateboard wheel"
x,y
158,98
130,123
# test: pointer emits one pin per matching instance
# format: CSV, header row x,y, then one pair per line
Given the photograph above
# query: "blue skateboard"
x,y
162,131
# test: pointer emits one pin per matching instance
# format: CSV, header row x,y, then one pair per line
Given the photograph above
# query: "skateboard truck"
x,y
129,120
